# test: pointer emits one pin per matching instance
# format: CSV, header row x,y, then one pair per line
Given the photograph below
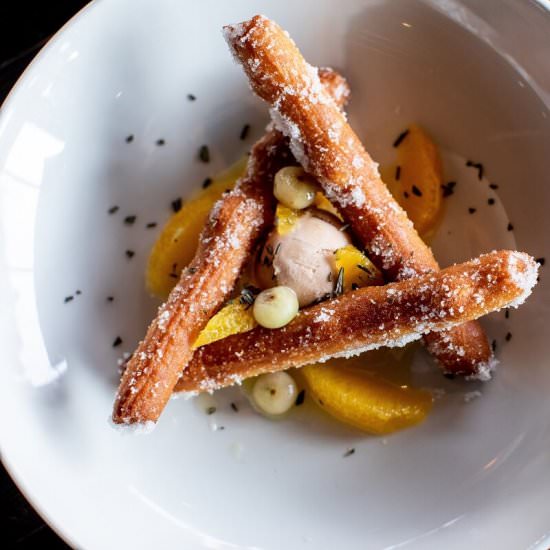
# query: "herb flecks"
x,y
204,153
349,452
300,398
244,132
478,166
400,138
339,286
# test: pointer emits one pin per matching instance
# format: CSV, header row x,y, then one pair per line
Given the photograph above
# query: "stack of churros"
x,y
418,300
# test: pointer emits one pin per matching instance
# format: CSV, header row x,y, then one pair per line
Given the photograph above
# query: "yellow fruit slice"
x,y
177,243
358,269
285,219
418,188
231,319
364,400
323,203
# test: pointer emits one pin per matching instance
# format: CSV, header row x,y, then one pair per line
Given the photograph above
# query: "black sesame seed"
x,y
449,375
540,261
221,428
400,138
300,398
472,210
244,131
129,138
234,407
508,336
177,204
129,220
204,153
490,201
510,227
416,191
494,345
448,188
354,286
349,452
113,209
406,194
110,298
150,225
130,253
68,299
117,342
160,142
211,410
191,97
78,292
397,173
493,186
206,183
507,314
478,166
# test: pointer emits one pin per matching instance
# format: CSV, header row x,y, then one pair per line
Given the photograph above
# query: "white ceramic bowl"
x,y
474,475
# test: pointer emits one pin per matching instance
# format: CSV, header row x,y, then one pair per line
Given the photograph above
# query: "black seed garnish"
x,y
173,275
160,142
68,299
129,138
150,225
191,97
354,286
490,201
300,398
416,191
129,220
494,345
406,194
540,261
397,173
78,292
211,410
177,204
206,183
244,131
493,186
130,253
339,287
204,153
449,375
349,452
234,407
221,428
400,138
113,209
478,166
508,336
471,210
448,188
510,227
117,342
192,270
110,298
507,314
321,402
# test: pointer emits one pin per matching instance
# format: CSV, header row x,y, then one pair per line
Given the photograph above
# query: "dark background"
x,y
26,27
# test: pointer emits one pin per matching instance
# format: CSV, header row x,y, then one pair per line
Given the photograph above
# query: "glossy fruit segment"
x,y
415,181
231,319
285,219
177,243
364,400
359,271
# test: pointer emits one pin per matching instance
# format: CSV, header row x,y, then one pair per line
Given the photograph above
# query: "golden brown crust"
x,y
226,243
327,147
367,318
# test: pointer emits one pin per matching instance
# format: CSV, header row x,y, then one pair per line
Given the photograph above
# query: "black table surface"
x,y
32,23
